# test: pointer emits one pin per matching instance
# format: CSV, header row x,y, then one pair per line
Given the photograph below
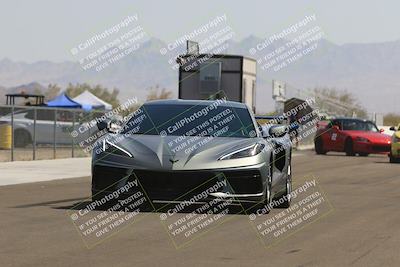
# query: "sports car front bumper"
x,y
372,148
244,184
395,150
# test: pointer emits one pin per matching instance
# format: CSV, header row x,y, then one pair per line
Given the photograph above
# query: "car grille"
x,y
177,184
172,185
184,184
381,148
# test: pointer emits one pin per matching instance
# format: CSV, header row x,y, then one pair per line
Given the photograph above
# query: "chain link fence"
x,y
34,133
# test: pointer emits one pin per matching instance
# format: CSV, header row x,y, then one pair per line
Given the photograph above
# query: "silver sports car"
x,y
178,148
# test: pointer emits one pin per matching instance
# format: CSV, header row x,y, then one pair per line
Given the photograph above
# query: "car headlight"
x,y
111,148
245,152
362,139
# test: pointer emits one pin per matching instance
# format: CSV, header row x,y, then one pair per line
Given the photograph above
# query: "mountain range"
x,y
369,71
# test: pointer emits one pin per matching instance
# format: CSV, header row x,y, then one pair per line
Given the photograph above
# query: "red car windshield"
x,y
356,125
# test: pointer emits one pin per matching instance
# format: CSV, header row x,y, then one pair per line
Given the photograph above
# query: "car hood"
x,y
371,136
167,153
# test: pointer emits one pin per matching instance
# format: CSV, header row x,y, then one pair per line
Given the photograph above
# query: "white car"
x,y
24,127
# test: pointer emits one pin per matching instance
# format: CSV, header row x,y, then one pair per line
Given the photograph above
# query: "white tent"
x,y
90,101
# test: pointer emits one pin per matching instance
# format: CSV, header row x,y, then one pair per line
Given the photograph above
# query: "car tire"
x,y
363,154
288,190
319,147
22,138
348,147
268,198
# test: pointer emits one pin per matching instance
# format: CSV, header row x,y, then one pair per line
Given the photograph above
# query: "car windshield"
x,y
191,120
356,125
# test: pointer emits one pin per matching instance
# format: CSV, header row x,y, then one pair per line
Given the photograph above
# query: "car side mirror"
x,y
278,130
381,130
101,125
110,126
113,127
392,128
263,130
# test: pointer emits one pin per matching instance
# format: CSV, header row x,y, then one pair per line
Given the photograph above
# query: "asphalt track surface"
x,y
362,229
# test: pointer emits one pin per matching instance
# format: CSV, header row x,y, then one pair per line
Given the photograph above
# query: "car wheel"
x,y
363,154
319,146
22,138
348,148
287,195
268,192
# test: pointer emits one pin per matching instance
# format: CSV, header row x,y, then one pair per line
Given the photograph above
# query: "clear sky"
x,y
47,29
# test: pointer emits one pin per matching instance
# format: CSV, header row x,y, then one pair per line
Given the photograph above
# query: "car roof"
x,y
195,102
350,119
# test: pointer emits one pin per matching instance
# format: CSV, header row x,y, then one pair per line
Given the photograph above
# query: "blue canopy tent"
x,y
63,101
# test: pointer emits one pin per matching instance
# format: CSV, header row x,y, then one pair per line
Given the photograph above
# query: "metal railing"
x,y
36,132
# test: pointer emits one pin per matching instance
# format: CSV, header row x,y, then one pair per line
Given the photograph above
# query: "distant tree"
x,y
155,93
53,90
101,92
391,119
338,102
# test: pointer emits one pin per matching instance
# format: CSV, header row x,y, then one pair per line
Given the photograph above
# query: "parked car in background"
x,y
24,126
352,136
394,154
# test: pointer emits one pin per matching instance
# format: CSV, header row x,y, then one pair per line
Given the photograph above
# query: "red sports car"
x,y
353,136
